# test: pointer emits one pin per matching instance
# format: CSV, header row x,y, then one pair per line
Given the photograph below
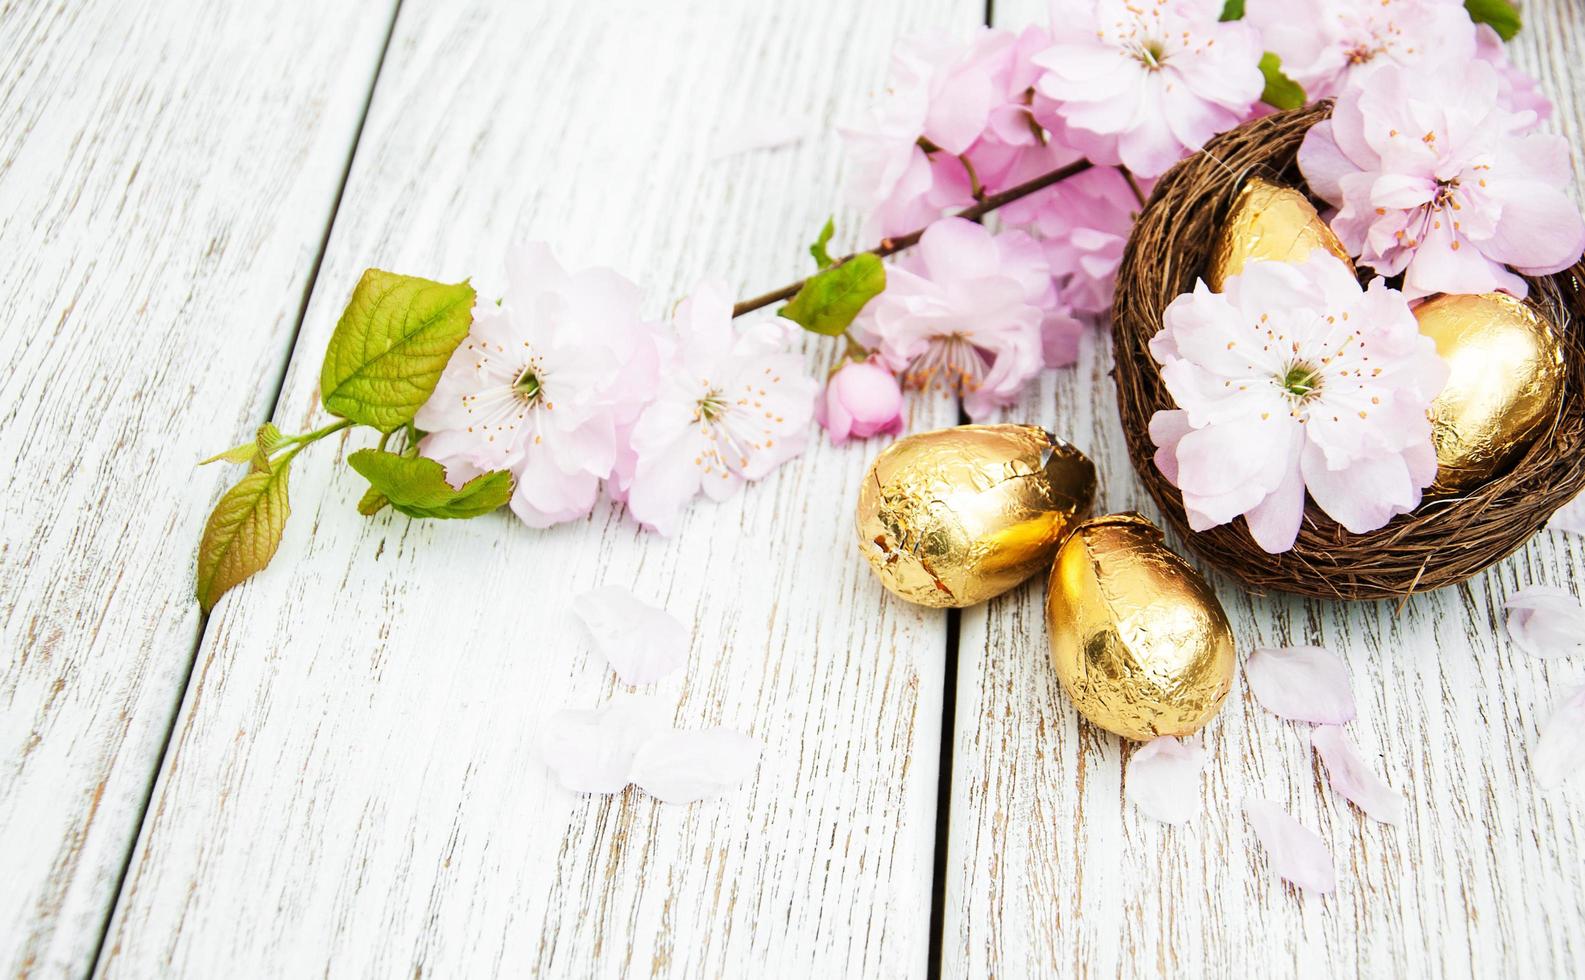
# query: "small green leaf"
x,y
830,300
1281,91
1233,10
243,531
372,502
818,249
391,345
416,486
1502,15
236,454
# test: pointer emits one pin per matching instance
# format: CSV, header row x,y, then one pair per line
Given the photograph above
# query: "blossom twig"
x,y
891,246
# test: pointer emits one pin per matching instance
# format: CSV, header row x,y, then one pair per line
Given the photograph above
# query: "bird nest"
x,y
1445,540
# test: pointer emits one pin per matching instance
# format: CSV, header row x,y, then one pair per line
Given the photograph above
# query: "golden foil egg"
x,y
956,516
1268,221
1138,639
1505,377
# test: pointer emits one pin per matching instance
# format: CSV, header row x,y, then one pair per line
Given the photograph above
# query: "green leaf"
x,y
1281,91
417,486
1502,15
372,502
236,454
265,442
243,532
1233,10
830,300
818,249
390,346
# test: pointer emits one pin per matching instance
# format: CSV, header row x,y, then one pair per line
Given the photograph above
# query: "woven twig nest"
x,y
1446,540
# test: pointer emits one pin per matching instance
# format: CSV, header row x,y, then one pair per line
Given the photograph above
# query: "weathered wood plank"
x,y
1050,871
167,174
354,784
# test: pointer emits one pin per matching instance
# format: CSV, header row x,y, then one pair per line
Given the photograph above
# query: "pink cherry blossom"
x,y
543,384
963,310
1516,90
861,399
1146,84
946,100
1292,379
1570,518
1083,225
734,403
1330,47
1433,178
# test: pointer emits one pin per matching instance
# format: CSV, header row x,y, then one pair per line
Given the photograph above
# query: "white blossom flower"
x,y
1292,379
543,384
734,403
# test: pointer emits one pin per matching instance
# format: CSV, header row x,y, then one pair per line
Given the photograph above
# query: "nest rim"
x,y
1446,540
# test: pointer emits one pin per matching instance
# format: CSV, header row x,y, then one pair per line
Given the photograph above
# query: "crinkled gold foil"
x,y
1138,639
1505,378
956,516
1268,221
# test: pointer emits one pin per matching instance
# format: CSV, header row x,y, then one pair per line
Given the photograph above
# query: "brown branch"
x,y
891,246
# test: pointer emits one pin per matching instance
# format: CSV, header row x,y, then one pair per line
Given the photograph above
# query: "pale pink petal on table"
x,y
1164,779
1570,517
1301,684
1348,773
593,751
642,643
684,766
1546,622
1296,853
1560,752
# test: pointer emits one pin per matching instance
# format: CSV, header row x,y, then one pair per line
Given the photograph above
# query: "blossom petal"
x,y
642,643
1560,752
1295,852
684,766
1546,622
1164,779
1351,777
1301,684
1570,517
593,751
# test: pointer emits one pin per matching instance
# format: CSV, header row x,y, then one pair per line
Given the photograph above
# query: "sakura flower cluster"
x,y
1295,379
568,386
1435,178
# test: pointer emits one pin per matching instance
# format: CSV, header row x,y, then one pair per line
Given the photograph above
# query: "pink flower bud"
x,y
862,399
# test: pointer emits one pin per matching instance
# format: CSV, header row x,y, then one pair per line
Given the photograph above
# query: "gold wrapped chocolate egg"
x,y
1505,377
1268,221
956,516
1138,639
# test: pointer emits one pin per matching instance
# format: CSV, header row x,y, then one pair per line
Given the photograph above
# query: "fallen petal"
x,y
593,751
642,643
1350,776
1546,622
1570,517
1295,852
1560,752
1164,779
1301,684
684,766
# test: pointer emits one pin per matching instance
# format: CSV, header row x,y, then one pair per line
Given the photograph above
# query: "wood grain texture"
x,y
1051,872
167,173
354,785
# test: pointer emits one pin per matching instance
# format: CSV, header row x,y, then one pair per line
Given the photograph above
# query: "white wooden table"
x,y
337,772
